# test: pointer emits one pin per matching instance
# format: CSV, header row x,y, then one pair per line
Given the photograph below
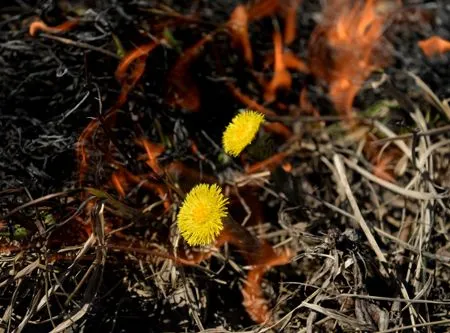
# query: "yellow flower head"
x,y
241,131
200,216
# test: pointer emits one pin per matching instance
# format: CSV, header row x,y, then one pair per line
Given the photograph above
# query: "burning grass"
x,y
337,217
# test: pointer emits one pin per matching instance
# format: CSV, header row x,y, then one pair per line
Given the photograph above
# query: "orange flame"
x,y
278,129
254,301
268,164
262,256
292,62
118,181
238,26
248,101
342,50
184,91
153,150
290,21
262,8
281,77
137,57
305,104
37,26
434,46
131,68
382,163
81,148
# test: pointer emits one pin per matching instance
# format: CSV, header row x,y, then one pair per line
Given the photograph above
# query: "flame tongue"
x,y
343,49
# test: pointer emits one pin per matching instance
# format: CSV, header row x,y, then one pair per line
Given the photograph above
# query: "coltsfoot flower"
x,y
200,216
241,131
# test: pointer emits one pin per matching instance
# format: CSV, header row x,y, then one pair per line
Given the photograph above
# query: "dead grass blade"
x,y
359,218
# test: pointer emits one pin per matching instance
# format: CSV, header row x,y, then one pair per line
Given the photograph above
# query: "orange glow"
x,y
130,57
196,152
153,150
382,163
290,21
143,181
342,49
249,102
305,104
434,46
238,26
138,57
278,129
81,148
259,254
117,181
380,168
268,164
262,8
262,256
37,26
185,93
281,77
287,167
129,82
292,62
254,301
188,176
183,90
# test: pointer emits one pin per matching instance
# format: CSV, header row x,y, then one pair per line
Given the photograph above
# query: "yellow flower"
x,y
200,216
241,131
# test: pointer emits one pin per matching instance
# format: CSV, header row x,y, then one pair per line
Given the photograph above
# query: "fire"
x,y
262,8
281,77
434,46
157,178
262,257
37,26
238,27
136,60
118,183
344,49
290,21
82,148
153,151
183,91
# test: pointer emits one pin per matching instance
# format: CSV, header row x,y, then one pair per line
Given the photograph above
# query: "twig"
x,y
392,187
82,45
359,218
395,329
